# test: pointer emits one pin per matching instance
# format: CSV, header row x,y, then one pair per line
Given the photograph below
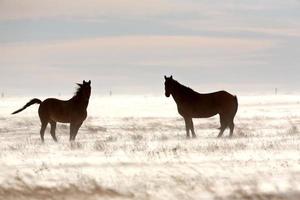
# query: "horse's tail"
x,y
236,104
31,102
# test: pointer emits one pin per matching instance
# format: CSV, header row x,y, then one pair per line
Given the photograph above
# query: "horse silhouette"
x,y
72,111
191,104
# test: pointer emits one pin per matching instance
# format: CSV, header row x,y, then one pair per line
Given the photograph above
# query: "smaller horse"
x,y
191,104
72,111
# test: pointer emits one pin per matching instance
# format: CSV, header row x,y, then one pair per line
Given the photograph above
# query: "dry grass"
x,y
150,158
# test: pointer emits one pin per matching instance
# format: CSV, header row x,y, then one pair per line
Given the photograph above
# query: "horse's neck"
x,y
79,102
177,99
178,95
181,94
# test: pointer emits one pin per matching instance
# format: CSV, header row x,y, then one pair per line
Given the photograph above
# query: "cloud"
x,y
130,49
28,19
32,9
95,9
225,41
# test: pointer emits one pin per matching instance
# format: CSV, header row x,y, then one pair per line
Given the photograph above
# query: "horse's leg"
x,y
77,126
231,127
72,127
222,129
52,130
224,125
192,128
42,131
187,127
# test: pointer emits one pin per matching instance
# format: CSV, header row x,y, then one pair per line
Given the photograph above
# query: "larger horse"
x,y
191,104
72,111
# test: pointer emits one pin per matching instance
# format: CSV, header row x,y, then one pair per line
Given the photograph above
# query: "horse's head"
x,y
85,89
168,85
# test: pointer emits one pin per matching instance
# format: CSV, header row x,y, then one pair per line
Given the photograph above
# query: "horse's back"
x,y
52,103
55,110
209,104
221,93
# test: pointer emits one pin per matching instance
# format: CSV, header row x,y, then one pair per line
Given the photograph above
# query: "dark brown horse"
x,y
72,111
191,104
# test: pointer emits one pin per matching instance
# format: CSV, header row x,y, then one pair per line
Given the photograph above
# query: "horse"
x,y
191,104
71,111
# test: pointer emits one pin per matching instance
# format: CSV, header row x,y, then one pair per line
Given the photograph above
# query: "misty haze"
x,y
141,99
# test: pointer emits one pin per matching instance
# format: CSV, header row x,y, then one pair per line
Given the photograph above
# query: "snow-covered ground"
x,y
134,147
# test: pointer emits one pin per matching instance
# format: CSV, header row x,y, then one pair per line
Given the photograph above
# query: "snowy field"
x,y
134,147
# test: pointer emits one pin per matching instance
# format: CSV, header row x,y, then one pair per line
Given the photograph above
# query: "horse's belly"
x,y
61,119
68,118
195,112
204,115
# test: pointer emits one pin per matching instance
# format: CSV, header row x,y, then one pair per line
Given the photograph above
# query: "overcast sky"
x,y
127,46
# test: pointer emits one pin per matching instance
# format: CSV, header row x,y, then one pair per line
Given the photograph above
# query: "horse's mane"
x,y
78,91
183,89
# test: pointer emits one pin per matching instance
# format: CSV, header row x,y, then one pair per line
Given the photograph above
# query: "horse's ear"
x,y
83,82
171,77
89,82
165,77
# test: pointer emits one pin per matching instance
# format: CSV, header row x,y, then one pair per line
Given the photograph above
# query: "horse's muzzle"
x,y
167,94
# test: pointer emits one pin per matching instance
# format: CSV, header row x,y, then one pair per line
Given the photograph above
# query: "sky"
x,y
127,46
